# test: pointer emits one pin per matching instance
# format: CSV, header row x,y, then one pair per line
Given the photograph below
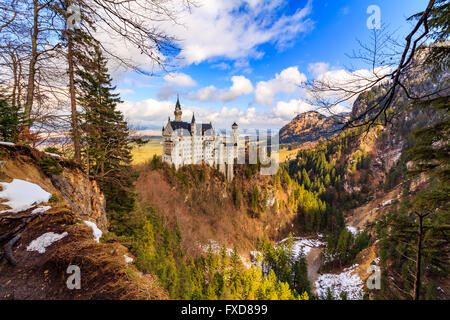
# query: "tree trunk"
x,y
32,65
16,78
418,259
75,132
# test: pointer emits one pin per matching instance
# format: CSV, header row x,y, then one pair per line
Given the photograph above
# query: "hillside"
x,y
309,127
206,208
52,217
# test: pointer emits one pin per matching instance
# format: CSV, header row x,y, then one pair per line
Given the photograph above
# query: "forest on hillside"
x,y
55,83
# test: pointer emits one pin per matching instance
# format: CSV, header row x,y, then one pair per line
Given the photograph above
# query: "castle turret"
x,y
193,125
178,111
235,134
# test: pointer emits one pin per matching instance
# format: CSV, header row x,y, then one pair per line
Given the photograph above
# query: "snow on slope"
x,y
44,241
41,209
7,143
95,230
22,195
338,283
304,244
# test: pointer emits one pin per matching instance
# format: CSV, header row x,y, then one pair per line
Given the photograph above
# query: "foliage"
x,y
11,120
287,267
51,166
211,276
54,198
105,145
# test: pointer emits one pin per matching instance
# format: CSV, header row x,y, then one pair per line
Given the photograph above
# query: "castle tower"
x,y
178,111
234,134
193,125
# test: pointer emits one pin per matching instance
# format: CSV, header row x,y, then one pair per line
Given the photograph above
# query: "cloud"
x,y
339,86
241,86
180,79
221,66
234,29
318,68
165,92
153,114
125,91
287,81
174,82
289,110
334,110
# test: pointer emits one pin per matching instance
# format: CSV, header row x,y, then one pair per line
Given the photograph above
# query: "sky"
x,y
245,61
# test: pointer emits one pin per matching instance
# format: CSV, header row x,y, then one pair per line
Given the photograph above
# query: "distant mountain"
x,y
310,126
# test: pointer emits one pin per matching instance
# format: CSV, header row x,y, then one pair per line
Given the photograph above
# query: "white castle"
x,y
191,143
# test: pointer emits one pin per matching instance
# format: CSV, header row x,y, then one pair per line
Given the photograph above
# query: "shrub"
x,y
155,163
50,166
53,150
54,198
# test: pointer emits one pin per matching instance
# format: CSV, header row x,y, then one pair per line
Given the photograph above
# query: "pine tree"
x,y
10,120
431,156
106,147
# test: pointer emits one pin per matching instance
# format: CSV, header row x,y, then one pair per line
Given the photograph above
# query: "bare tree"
x,y
391,64
8,13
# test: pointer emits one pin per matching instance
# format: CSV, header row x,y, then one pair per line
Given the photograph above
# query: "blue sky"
x,y
243,60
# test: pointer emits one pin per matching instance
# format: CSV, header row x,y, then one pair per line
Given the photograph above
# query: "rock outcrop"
x,y
72,185
310,126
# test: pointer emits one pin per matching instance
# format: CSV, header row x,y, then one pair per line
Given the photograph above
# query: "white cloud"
x,y
338,86
287,81
153,114
234,29
180,79
289,110
125,91
334,110
318,68
241,86
221,66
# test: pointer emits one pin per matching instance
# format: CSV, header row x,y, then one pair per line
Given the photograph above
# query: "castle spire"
x,y
178,105
193,118
178,111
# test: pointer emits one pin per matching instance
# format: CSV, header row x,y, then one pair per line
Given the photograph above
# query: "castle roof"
x,y
203,127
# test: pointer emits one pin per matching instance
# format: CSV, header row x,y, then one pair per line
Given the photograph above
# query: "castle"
x,y
191,143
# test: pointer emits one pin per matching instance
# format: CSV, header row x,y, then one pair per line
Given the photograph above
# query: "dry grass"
x,y
206,210
146,152
287,155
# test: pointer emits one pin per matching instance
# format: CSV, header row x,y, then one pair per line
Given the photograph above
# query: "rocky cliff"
x,y
52,218
72,185
310,126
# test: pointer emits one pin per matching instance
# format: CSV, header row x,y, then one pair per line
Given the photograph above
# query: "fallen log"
x,y
8,248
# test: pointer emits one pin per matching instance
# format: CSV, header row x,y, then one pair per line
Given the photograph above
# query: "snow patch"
x,y
215,247
386,203
353,230
22,195
304,244
41,209
346,281
95,230
7,143
44,241
53,154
